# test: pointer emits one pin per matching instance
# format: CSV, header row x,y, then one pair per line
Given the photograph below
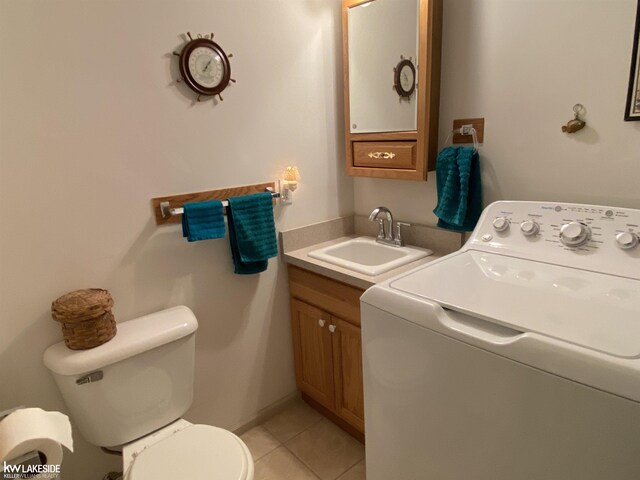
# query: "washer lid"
x,y
597,311
198,451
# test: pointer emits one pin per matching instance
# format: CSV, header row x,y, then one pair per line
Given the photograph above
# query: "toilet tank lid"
x,y
133,337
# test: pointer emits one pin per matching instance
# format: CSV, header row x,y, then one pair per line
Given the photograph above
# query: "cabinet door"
x,y
312,351
347,367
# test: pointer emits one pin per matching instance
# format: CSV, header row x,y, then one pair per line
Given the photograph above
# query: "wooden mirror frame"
x,y
410,154
633,94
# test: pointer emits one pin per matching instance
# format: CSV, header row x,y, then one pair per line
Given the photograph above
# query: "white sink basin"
x,y
365,255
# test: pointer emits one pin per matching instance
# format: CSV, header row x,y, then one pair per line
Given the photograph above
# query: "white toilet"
x,y
129,394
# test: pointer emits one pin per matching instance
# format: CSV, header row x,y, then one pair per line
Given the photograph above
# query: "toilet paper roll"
x,y
30,429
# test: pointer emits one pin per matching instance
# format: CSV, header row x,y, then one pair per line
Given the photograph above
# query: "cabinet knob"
x,y
332,328
321,323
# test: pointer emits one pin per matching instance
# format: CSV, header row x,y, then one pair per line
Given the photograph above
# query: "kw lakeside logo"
x,y
10,471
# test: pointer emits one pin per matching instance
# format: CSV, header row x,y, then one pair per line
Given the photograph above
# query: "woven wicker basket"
x,y
86,318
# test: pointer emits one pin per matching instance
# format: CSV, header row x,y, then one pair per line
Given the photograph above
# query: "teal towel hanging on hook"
x,y
459,188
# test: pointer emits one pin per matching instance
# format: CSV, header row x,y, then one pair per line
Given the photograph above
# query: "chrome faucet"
x,y
385,231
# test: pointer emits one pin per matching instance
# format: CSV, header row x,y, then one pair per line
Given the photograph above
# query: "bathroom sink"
x,y
364,255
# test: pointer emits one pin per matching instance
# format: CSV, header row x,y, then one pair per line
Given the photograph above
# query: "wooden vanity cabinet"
x,y
327,344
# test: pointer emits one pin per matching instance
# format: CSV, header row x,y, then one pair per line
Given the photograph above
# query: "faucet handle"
x,y
399,226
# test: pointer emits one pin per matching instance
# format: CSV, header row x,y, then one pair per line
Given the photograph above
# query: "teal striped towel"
x,y
252,232
459,189
203,220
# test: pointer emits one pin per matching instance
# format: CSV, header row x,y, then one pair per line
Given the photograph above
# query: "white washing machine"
x,y
515,358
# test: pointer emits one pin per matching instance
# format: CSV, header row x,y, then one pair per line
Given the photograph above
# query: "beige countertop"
x,y
300,258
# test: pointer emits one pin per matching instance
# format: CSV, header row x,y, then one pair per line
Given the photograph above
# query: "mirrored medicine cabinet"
x,y
392,52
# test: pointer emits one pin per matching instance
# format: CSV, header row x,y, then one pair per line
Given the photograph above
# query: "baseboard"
x,y
267,412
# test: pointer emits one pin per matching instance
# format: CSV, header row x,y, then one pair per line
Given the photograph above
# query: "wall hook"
x,y
576,124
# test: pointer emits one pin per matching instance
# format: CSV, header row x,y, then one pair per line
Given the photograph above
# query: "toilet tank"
x,y
134,384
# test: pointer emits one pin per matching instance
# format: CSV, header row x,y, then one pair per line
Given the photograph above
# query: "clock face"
x,y
206,67
407,78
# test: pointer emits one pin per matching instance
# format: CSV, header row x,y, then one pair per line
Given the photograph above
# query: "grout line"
x,y
352,467
348,468
294,456
309,466
279,443
302,431
267,453
284,444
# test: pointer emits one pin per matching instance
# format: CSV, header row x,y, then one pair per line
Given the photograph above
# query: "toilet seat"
x,y
194,452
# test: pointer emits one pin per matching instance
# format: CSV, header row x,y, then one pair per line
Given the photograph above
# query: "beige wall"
x,y
523,64
92,127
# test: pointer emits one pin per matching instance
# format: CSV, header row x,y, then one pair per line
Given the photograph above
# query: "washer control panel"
x,y
591,237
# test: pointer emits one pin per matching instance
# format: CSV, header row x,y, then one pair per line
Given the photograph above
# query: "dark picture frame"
x,y
632,109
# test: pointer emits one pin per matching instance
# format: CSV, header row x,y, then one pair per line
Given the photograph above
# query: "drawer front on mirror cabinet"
x,y
385,155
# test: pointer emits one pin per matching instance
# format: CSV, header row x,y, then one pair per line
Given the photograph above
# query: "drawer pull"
x,y
332,328
321,323
382,155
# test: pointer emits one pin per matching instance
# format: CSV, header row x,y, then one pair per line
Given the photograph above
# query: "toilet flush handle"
x,y
90,377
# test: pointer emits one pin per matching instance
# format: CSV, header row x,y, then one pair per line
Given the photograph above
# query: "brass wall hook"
x,y
576,124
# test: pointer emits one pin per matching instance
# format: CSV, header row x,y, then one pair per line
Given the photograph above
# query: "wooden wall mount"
x,y
478,124
176,201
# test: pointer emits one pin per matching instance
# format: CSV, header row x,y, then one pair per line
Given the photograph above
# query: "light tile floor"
x,y
300,444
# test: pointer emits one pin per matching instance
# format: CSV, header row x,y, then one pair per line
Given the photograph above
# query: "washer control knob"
x,y
575,234
627,240
530,228
501,224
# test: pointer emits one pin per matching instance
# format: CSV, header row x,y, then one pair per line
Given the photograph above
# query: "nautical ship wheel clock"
x,y
404,78
204,66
